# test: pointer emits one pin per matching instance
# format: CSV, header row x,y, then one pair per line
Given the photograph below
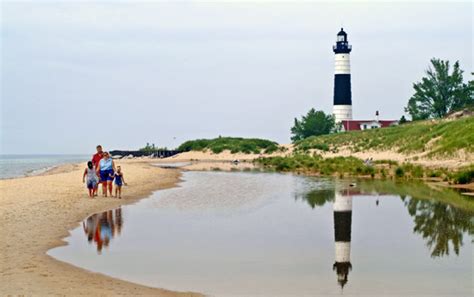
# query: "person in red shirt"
x,y
96,157
95,161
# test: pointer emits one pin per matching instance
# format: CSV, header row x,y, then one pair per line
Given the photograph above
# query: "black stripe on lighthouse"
x,y
342,226
342,237
342,89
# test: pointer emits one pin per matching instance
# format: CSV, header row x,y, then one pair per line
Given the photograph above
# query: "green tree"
x,y
440,92
312,124
150,148
402,120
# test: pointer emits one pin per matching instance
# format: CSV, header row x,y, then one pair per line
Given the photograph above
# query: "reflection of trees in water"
x,y
317,197
440,224
441,216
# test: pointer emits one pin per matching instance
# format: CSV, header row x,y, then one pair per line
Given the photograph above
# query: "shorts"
x,y
118,182
105,175
91,183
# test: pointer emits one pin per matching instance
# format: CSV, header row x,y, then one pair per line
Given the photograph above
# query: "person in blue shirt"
x,y
119,180
106,170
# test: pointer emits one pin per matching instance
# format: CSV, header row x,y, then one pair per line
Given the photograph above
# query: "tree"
x,y
150,148
402,120
440,92
312,124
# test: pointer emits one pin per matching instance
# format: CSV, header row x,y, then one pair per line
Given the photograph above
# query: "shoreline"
x,y
28,207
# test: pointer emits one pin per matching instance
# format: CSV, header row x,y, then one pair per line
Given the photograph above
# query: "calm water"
x,y
21,165
263,234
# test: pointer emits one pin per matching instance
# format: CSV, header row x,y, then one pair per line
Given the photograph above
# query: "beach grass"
x,y
353,167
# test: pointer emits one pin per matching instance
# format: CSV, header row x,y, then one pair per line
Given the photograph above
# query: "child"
x,y
119,180
92,178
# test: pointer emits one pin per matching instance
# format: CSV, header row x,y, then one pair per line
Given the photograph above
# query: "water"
x,y
262,234
21,165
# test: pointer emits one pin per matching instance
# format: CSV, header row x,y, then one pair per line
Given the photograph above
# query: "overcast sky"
x,y
75,74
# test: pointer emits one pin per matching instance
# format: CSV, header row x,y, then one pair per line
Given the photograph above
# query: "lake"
x,y
271,234
26,165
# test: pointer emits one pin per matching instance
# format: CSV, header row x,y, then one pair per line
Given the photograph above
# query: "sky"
x,y
75,74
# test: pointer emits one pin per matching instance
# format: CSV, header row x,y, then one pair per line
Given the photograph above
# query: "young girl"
x,y
92,178
119,180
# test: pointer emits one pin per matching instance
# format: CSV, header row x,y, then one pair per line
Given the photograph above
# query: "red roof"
x,y
354,125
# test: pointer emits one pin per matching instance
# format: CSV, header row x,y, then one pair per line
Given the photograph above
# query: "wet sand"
x,y
36,212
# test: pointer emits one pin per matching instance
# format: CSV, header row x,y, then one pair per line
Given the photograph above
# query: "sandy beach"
x,y
36,213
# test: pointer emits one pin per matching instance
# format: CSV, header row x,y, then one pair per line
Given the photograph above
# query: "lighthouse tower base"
x,y
342,112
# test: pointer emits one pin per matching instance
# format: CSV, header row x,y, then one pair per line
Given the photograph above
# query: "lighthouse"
x,y
342,235
342,109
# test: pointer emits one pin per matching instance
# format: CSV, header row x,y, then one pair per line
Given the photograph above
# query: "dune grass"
x,y
351,166
348,166
437,138
233,144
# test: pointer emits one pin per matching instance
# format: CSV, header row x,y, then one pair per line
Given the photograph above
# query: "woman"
x,y
106,171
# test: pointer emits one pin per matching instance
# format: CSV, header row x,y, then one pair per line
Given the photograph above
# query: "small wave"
x,y
39,171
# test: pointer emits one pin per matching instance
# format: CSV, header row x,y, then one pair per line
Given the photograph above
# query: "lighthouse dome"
x,y
342,33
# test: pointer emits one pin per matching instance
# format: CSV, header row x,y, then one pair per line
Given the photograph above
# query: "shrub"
x,y
389,162
399,172
434,173
464,177
417,172
233,144
322,147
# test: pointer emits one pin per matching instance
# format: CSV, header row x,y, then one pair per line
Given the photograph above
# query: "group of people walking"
x,y
102,170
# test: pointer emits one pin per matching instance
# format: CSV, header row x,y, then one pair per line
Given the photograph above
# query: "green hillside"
x,y
437,138
233,144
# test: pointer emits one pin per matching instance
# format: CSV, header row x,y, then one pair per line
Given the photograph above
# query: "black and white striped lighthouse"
x,y
342,235
342,109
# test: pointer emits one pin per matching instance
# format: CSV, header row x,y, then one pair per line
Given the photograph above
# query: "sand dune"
x,y
455,161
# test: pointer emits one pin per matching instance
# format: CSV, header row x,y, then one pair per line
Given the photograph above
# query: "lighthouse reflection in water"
x,y
342,235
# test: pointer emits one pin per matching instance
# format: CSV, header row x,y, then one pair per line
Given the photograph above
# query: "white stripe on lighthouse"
x,y
342,112
342,203
343,252
342,64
